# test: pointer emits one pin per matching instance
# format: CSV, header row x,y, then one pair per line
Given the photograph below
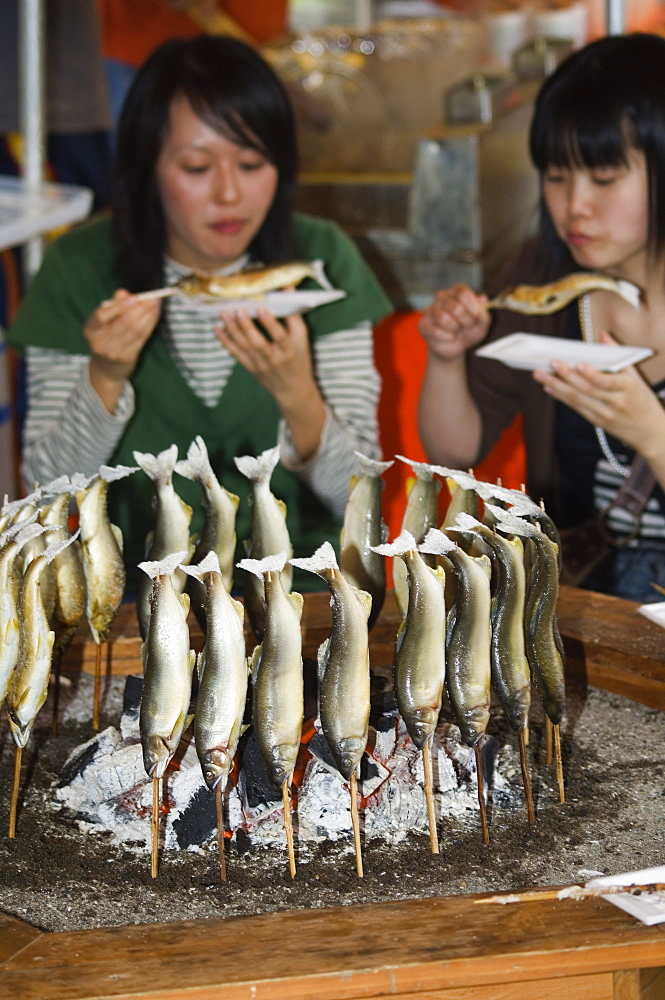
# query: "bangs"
x,y
581,138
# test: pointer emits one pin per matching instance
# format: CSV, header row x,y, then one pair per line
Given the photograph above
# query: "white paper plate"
x,y
648,906
529,352
280,304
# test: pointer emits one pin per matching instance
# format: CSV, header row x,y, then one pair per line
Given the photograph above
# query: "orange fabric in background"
x,y
132,29
400,355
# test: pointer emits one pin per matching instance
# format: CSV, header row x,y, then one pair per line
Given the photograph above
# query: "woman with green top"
x,y
205,180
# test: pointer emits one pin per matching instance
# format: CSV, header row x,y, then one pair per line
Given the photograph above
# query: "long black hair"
x,y
230,87
601,101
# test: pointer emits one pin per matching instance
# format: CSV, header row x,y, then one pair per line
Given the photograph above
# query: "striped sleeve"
x,y
350,386
67,428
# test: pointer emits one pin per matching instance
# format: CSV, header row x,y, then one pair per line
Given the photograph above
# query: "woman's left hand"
x,y
623,404
281,362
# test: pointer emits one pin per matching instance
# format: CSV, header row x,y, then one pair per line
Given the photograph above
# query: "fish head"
x,y
422,724
473,724
156,755
347,753
20,730
283,761
216,764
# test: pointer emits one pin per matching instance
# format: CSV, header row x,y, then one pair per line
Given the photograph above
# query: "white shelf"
x,y
25,214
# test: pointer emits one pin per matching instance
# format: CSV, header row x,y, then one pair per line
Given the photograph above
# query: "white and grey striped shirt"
x,y
68,429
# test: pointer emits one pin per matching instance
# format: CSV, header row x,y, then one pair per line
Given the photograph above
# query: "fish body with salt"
x,y
168,663
253,282
101,550
70,584
269,533
420,514
218,534
541,300
223,674
277,673
11,542
343,663
363,529
172,519
419,662
29,683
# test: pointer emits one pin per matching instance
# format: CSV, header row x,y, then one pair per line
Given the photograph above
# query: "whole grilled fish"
x,y
541,300
219,526
468,637
544,648
363,528
29,682
277,673
168,663
270,534
101,549
11,542
419,663
511,678
420,515
253,282
172,520
344,680
70,584
222,669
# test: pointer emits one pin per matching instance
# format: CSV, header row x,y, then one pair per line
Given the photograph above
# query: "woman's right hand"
x,y
117,332
456,320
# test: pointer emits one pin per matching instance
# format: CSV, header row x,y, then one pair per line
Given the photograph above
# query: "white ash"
x,y
105,787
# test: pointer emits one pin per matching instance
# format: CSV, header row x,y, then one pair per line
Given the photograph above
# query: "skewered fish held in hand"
x,y
250,283
541,300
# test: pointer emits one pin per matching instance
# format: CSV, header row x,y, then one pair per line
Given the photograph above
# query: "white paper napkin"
x,y
649,907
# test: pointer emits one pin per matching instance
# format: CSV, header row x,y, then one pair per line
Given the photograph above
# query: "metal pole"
x,y
32,59
615,17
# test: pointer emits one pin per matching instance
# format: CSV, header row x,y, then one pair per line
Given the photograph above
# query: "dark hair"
x,y
231,87
600,102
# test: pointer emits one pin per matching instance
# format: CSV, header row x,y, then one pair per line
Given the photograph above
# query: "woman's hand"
x,y
457,320
281,362
117,332
623,404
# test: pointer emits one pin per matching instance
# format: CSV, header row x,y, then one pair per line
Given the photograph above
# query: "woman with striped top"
x,y
598,140
204,181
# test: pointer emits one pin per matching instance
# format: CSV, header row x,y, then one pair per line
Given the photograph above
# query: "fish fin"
x,y
296,601
200,663
177,731
117,534
191,663
184,602
400,635
281,506
239,609
255,662
322,658
188,721
364,598
233,497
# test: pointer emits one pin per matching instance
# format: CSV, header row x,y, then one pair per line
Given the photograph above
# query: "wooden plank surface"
x,y
608,643
14,936
337,954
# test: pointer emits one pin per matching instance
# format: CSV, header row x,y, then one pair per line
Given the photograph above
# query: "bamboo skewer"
x,y
657,586
481,795
429,796
571,892
559,764
57,657
526,781
549,756
288,829
18,754
220,831
98,687
154,829
356,827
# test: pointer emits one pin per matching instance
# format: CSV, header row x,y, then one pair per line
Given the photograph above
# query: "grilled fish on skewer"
x,y
222,670
277,673
101,548
270,534
541,300
171,534
11,542
70,585
29,684
344,682
363,527
219,532
168,663
420,515
250,283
